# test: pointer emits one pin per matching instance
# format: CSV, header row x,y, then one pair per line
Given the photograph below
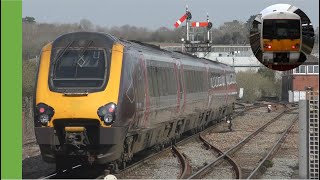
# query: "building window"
x,y
316,69
310,69
302,69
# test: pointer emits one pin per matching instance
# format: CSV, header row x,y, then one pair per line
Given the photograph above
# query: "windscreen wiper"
x,y
82,53
59,57
81,58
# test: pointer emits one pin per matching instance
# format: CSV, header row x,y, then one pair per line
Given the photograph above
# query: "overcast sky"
x,y
154,13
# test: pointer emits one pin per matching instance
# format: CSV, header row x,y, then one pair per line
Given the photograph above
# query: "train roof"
x,y
187,59
281,15
104,39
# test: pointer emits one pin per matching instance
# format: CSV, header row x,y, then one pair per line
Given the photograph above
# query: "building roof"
x,y
311,59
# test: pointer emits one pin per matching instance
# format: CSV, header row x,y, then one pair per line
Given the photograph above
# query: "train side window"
x,y
160,81
195,83
166,81
173,81
185,77
166,70
150,83
155,82
189,80
202,78
212,79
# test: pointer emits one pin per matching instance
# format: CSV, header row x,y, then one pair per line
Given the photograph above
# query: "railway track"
x,y
170,156
208,169
142,168
260,168
182,163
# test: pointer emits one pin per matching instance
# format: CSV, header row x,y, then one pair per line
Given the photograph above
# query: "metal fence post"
x,y
303,140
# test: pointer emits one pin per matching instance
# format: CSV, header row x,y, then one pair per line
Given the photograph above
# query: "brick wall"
x,y
300,82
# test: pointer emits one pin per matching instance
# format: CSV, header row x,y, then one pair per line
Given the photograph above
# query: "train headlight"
x,y
43,113
44,118
108,118
107,113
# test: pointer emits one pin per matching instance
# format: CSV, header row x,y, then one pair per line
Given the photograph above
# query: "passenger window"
x,y
155,82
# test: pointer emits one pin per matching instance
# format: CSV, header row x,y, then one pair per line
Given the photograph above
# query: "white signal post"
x,y
208,30
187,24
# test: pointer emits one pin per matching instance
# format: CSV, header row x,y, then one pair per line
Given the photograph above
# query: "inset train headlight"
x,y
44,113
107,113
295,46
267,46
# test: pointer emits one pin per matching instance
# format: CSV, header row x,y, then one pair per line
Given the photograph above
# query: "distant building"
x,y
240,57
295,82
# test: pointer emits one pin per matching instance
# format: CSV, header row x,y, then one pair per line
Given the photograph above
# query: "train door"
x,y
206,87
180,86
141,93
226,86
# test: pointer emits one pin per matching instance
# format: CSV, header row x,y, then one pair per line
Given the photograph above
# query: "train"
x,y
281,37
102,99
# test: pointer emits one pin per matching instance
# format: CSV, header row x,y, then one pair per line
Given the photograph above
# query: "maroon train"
x,y
161,95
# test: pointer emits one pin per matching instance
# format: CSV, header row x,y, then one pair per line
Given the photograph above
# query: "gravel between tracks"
x,y
251,153
242,127
221,172
286,160
165,167
197,154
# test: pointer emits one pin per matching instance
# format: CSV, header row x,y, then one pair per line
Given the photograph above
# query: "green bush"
x,y
256,85
29,69
268,163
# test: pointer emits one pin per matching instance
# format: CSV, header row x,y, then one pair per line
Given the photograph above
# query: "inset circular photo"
x,y
281,36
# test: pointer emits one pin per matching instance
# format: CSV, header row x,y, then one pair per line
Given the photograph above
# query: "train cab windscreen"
x,y
76,68
281,29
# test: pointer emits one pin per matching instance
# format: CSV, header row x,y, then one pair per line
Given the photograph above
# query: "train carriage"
x,y
103,99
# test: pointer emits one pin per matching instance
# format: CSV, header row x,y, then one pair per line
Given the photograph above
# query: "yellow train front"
x,y
281,37
76,98
101,99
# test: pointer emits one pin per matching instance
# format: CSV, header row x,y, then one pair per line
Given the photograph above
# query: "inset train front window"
x,y
281,29
76,68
